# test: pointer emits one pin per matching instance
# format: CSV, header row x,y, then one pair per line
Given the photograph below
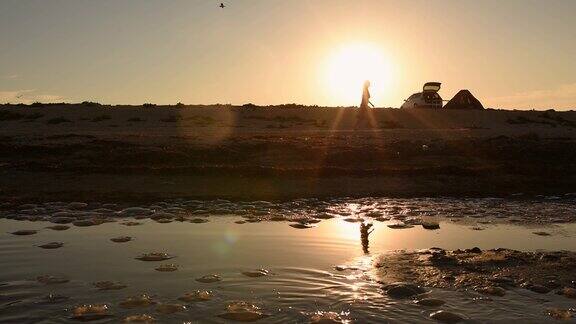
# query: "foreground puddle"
x,y
302,261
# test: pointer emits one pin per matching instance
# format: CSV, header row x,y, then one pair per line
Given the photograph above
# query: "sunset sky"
x,y
510,54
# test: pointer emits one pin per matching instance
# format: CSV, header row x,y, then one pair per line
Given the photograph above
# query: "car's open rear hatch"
x,y
432,86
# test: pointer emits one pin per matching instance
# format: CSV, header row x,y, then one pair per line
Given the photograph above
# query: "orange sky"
x,y
510,54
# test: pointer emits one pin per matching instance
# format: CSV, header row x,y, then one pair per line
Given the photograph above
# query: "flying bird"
x,y
222,5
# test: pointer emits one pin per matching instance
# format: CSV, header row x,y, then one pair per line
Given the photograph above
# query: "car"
x,y
428,98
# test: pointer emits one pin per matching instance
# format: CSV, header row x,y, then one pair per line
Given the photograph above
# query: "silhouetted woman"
x,y
365,104
363,112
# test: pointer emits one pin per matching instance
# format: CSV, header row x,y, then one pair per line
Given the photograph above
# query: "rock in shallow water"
x,y
143,318
155,256
401,290
51,280
430,302
242,312
170,308
121,239
167,268
51,245
197,296
302,226
143,300
58,227
209,278
447,317
108,285
321,317
256,273
560,314
24,232
493,291
86,313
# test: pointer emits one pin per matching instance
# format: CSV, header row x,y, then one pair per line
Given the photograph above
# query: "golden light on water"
x,y
349,66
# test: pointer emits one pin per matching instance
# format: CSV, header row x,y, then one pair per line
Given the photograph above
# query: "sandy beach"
x,y
73,152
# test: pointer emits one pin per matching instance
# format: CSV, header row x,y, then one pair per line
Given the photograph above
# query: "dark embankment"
x,y
71,152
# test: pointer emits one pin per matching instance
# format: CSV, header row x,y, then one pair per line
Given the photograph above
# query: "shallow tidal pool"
x,y
321,271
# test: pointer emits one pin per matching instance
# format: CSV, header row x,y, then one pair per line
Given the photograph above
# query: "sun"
x,y
349,66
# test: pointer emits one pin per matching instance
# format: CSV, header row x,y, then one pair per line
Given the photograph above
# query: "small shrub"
x,y
91,104
37,104
149,105
57,120
180,105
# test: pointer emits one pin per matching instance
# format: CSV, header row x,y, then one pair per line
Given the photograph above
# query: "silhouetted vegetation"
x,y
149,105
91,104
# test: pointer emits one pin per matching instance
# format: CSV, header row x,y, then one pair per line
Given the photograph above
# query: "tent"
x,y
464,100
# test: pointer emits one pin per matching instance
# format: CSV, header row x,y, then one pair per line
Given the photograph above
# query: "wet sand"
x,y
83,152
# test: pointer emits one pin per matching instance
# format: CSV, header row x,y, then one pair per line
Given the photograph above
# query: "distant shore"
x,y
70,152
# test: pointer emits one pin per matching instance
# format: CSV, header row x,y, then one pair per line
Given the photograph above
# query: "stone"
x,y
430,302
155,256
51,245
86,313
209,278
446,317
400,290
197,296
242,312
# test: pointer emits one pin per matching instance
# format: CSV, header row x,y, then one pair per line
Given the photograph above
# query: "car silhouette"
x,y
428,98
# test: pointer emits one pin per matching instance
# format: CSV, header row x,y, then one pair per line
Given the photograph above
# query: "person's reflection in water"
x,y
365,230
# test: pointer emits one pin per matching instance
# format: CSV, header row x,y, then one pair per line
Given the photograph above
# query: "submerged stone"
x,y
401,290
137,301
302,226
242,312
24,232
108,285
51,280
541,233
130,223
400,226
209,278
155,256
170,308
51,245
86,313
321,317
568,292
430,302
430,225
121,239
493,291
143,318
199,220
446,317
560,314
58,227
256,273
197,296
167,268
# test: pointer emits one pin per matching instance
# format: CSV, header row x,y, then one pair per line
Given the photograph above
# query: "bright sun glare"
x,y
348,67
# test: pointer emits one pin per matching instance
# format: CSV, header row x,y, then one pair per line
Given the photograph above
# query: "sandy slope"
x,y
281,152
